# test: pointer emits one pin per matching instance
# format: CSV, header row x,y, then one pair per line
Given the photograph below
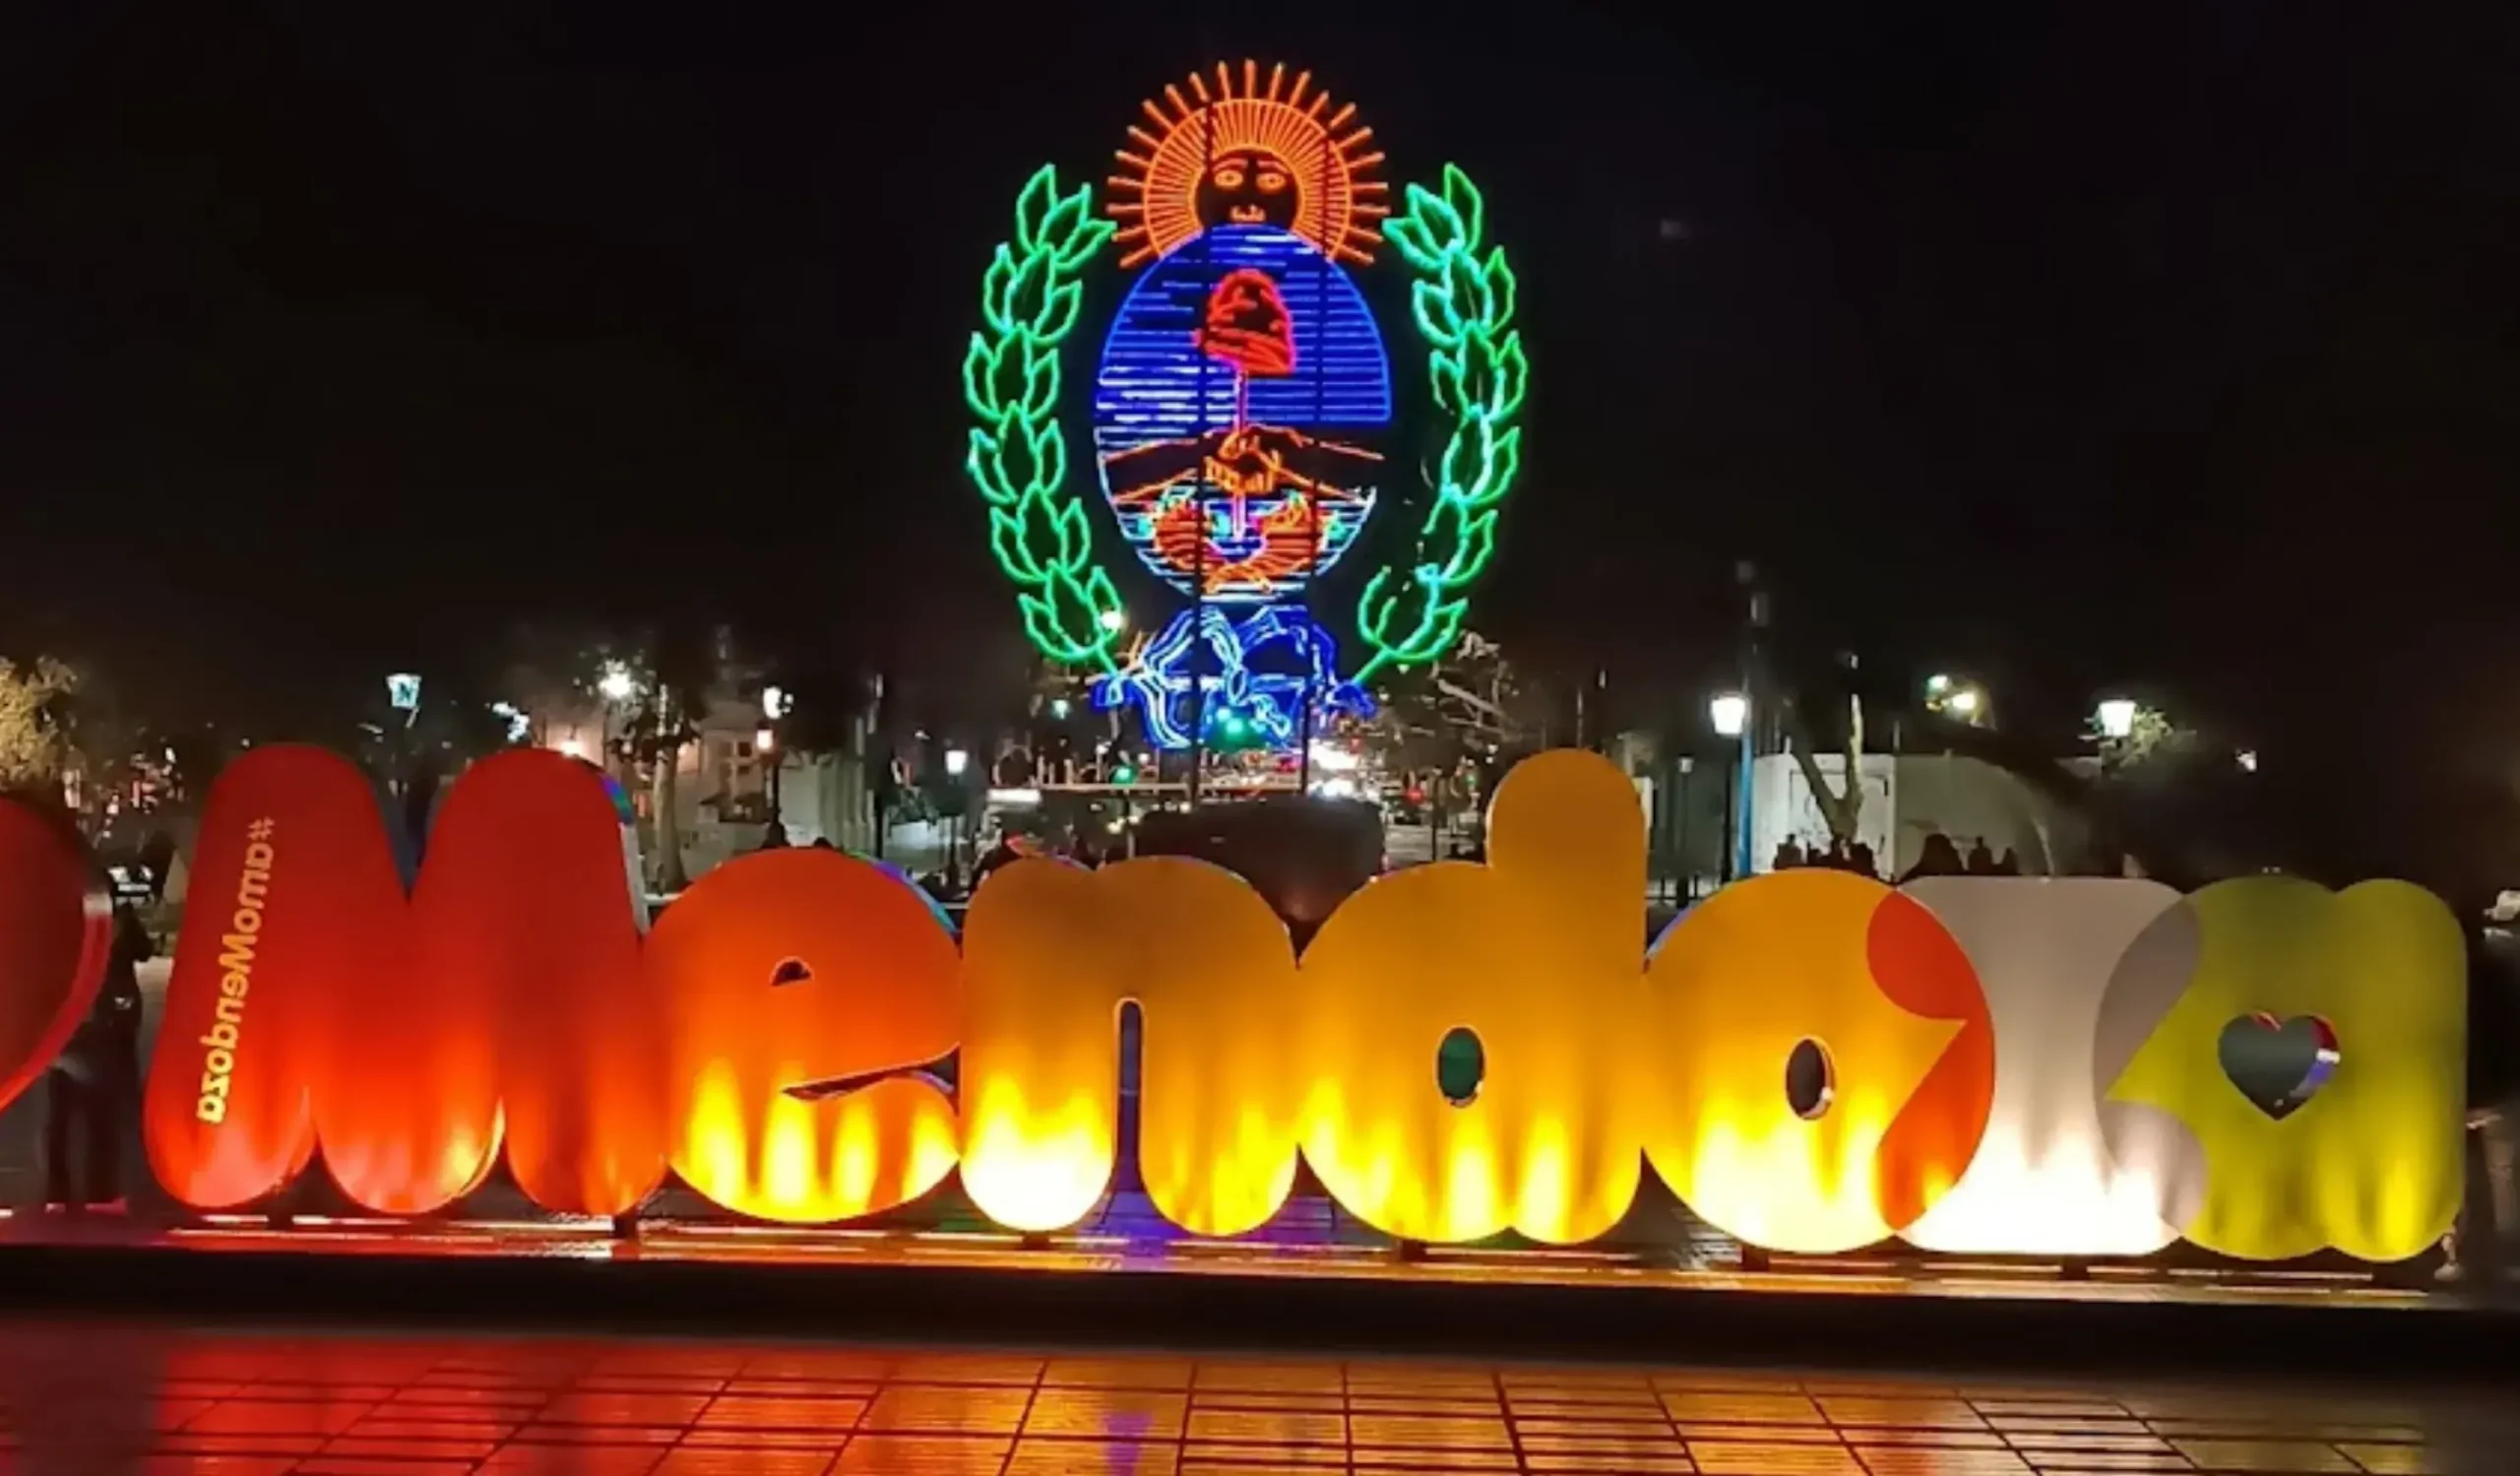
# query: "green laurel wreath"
x,y
1028,306
1464,304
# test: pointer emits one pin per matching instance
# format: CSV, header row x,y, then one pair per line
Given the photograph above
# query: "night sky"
x,y
2080,343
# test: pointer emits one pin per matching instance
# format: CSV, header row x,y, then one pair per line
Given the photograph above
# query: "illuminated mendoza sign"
x,y
2084,1066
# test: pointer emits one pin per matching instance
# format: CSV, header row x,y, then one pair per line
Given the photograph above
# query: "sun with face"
x,y
1248,150
1247,187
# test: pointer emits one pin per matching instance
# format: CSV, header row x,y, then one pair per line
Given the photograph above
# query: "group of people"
x,y
774,836
1077,848
1940,856
1838,857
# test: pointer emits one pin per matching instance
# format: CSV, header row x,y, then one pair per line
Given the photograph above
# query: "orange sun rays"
x,y
1155,195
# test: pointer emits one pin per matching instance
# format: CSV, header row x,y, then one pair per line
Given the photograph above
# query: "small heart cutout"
x,y
2279,1064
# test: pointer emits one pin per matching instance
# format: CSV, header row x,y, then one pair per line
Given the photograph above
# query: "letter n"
x,y
1050,955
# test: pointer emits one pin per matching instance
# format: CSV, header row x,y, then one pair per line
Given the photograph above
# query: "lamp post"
x,y
1730,712
614,687
2117,718
765,743
1754,622
1952,697
774,706
958,762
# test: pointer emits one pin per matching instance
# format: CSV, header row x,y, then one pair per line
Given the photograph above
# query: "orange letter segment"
x,y
229,1111
1052,953
310,1002
524,907
1536,959
56,932
1874,985
804,990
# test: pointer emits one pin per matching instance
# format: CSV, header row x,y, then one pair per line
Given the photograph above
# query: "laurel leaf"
x,y
1436,320
1033,206
1463,199
1058,312
1503,288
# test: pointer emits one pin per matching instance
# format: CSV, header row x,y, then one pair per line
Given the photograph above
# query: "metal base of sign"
x,y
1118,1281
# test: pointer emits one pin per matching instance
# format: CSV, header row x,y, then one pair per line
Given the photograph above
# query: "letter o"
x,y
221,1062
248,920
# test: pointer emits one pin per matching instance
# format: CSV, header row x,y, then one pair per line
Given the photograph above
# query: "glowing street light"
x,y
1730,712
956,762
1954,698
2117,718
616,684
773,702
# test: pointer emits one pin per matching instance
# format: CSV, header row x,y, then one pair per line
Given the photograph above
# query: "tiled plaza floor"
x,y
105,1397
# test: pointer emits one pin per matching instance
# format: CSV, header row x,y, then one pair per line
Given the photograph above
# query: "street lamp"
x,y
615,685
765,741
956,762
2117,718
1952,697
1730,712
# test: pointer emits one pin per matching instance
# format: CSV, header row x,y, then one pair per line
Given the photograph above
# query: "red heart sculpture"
x,y
56,934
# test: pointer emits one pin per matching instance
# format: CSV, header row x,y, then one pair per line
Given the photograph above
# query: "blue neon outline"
x,y
1158,683
1373,408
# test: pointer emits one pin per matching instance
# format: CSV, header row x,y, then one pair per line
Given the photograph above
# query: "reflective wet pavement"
x,y
94,1397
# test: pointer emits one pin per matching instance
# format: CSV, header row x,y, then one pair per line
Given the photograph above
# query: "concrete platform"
x,y
988,1286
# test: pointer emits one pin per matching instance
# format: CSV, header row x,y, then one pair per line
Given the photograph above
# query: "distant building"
x,y
1690,805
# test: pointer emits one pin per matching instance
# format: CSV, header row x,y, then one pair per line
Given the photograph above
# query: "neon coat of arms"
x,y
1245,426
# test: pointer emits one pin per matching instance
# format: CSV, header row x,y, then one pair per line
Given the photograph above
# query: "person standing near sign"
x,y
95,1081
